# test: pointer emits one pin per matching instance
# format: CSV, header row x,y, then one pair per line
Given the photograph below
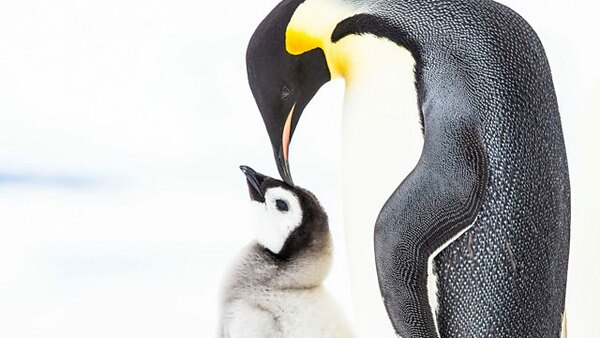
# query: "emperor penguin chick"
x,y
274,289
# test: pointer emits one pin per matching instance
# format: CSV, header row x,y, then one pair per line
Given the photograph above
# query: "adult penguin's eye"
x,y
281,205
285,92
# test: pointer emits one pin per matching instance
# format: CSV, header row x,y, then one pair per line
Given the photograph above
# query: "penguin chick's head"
x,y
282,83
291,220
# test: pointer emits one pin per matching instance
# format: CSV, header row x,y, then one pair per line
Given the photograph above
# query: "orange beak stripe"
x,y
287,133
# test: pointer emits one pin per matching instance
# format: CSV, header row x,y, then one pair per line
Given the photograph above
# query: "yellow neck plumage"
x,y
311,27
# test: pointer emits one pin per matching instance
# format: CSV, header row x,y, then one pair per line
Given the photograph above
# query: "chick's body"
x,y
275,290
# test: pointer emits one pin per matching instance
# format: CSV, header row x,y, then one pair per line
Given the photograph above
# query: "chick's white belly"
x,y
304,313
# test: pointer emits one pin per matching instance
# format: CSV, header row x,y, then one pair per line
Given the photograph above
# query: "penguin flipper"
x,y
438,199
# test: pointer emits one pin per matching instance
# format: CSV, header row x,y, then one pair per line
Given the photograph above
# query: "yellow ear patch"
x,y
298,42
311,26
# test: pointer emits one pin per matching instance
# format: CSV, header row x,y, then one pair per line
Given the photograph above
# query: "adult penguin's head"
x,y
282,82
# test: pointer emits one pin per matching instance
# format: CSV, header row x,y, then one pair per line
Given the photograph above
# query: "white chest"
x,y
382,142
289,314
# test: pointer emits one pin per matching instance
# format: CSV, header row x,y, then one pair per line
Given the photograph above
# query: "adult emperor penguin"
x,y
275,287
486,209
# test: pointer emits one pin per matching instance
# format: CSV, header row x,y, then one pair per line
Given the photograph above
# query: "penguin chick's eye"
x,y
285,92
281,205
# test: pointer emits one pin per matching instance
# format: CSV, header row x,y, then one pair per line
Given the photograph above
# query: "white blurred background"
x,y
122,126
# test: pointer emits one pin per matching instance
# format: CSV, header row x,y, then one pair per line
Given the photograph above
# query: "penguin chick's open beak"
x,y
255,181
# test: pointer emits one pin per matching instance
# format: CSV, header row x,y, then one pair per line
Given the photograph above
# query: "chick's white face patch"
x,y
274,223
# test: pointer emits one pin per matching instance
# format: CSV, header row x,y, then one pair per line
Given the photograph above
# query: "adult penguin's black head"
x,y
282,83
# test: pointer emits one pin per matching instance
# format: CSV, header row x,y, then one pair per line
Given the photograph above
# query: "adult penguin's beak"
x,y
283,150
280,121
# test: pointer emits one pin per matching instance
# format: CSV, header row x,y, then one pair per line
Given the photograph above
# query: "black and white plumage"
x,y
490,194
274,289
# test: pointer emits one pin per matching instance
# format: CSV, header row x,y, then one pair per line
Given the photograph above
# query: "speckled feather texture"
x,y
494,154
